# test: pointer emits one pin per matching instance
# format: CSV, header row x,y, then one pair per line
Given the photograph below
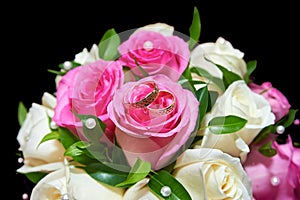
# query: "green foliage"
x,y
138,172
106,174
164,178
35,177
226,124
195,29
251,66
22,112
108,45
267,149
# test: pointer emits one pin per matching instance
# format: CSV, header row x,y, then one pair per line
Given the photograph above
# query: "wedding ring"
x,y
164,97
137,92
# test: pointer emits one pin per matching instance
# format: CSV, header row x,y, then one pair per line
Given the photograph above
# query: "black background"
x,y
39,36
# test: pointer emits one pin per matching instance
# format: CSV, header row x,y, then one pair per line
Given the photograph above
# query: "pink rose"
x,y
153,132
277,177
87,89
155,53
279,103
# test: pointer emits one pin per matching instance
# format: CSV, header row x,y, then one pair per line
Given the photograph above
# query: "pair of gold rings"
x,y
147,95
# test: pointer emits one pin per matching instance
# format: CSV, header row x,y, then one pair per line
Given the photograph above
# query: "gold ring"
x,y
146,100
155,109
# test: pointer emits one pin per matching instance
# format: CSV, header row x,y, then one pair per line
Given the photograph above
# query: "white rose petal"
x,y
75,183
221,52
33,129
211,174
86,57
162,28
240,101
140,191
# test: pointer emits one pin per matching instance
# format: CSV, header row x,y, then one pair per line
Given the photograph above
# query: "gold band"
x,y
148,99
163,111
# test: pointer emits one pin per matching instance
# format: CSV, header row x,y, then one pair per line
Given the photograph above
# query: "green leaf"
x,y
92,134
226,124
213,95
251,66
138,172
195,29
108,45
22,112
77,149
105,174
164,178
66,137
228,76
60,73
203,98
54,135
289,118
35,177
264,133
202,72
267,149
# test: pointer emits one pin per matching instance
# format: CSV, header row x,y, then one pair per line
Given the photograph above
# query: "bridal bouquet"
x,y
154,114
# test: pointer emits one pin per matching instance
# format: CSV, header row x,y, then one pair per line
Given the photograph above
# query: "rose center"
x,y
148,45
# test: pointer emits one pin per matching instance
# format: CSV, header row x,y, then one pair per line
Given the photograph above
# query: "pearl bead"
x,y
53,125
90,123
296,121
165,191
20,160
280,129
148,45
25,196
67,65
275,181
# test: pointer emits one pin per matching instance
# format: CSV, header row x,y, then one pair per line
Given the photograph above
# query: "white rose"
x,y
140,191
211,174
47,156
240,101
73,183
222,53
162,28
86,57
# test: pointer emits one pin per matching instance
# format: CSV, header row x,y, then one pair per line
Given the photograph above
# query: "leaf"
x,y
195,29
228,76
289,118
202,72
105,174
251,66
66,137
203,98
35,177
267,149
22,112
226,124
138,172
164,178
77,149
50,136
264,133
108,45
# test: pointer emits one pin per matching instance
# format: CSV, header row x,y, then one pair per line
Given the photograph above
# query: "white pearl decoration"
x,y
67,65
25,196
53,125
20,160
65,197
148,46
90,123
165,191
280,129
275,181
